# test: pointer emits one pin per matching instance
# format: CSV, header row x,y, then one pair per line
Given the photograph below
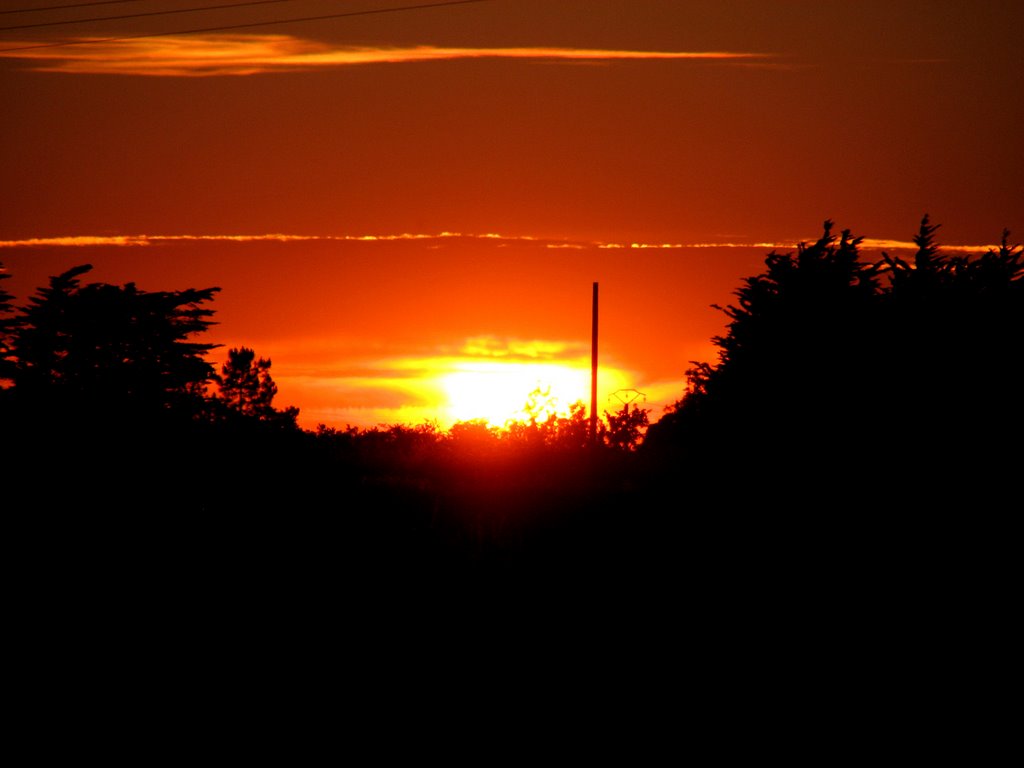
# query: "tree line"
x,y
843,374
857,441
112,350
110,389
830,369
108,350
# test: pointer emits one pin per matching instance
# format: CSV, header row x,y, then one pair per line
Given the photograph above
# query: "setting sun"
x,y
498,391
503,391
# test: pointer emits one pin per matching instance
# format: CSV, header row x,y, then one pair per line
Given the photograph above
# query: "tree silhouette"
x,y
538,424
573,431
101,346
245,383
246,387
543,427
830,365
106,395
626,427
955,347
793,367
6,327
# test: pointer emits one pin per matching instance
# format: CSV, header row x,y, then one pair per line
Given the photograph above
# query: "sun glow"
x,y
498,392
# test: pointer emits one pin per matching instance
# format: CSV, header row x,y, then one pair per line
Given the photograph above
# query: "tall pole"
x,y
593,373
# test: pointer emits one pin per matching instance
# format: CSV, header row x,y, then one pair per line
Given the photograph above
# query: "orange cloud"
x,y
146,240
907,245
867,243
221,55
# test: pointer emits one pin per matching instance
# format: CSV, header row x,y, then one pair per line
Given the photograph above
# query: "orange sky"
x,y
562,126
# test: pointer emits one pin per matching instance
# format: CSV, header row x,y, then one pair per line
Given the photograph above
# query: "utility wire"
x,y
143,14
69,6
249,25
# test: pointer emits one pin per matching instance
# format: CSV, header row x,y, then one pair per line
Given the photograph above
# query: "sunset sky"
x,y
406,204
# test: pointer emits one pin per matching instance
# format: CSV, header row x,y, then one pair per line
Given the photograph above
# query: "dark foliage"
x,y
626,428
954,352
246,392
107,407
836,376
100,347
804,480
6,328
793,370
853,459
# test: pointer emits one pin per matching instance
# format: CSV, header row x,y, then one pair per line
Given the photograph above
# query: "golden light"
x,y
490,379
498,391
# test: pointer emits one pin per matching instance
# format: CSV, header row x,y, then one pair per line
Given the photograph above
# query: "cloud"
x,y
867,243
679,246
145,240
226,54
80,241
907,245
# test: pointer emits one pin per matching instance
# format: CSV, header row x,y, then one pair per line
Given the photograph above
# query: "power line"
x,y
248,25
69,6
141,15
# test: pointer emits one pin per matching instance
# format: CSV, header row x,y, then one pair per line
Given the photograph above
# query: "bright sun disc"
x,y
498,391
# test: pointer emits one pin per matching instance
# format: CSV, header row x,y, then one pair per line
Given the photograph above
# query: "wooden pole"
x,y
593,373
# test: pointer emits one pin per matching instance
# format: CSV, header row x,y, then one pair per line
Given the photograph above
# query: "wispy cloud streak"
x,y
871,244
867,243
147,240
223,55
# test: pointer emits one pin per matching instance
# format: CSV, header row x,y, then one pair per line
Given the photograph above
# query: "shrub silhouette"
x,y
834,373
626,427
